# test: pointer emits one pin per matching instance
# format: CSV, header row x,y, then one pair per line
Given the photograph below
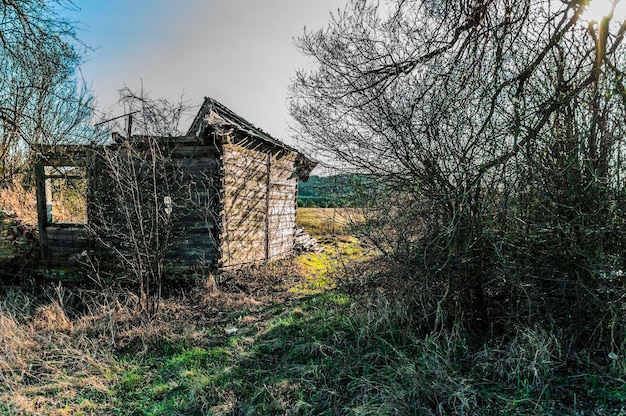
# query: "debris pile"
x,y
14,231
18,243
304,243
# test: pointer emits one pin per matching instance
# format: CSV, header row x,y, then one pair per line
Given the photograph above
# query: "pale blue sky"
x,y
239,52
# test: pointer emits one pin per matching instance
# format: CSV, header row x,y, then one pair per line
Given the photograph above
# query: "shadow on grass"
x,y
323,354
272,369
320,355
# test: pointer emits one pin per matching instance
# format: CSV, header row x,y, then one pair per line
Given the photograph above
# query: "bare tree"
x,y
141,194
159,117
41,97
495,129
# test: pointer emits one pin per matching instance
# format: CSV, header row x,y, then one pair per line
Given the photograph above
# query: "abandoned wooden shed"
x,y
223,195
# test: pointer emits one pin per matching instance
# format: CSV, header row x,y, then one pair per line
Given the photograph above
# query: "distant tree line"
x,y
336,191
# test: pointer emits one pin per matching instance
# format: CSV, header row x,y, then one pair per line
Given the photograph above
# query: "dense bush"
x,y
491,134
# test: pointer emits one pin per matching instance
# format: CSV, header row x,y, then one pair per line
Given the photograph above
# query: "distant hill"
x,y
330,191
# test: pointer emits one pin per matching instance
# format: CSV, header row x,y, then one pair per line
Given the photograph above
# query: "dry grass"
x,y
68,205
18,349
67,352
248,343
69,201
328,224
45,363
20,200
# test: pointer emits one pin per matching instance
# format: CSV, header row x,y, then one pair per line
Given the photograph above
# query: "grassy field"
x,y
291,338
325,224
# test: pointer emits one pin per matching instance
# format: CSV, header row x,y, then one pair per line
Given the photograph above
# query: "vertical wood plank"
x,y
268,188
42,212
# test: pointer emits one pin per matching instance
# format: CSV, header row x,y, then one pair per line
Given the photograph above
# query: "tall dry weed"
x,y
46,366
531,356
20,199
18,351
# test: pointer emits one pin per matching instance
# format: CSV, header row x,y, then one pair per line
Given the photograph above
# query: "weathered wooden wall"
x,y
195,202
186,175
259,202
66,242
233,201
191,168
244,217
282,206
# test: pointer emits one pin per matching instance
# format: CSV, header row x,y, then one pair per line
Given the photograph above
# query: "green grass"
x,y
311,349
262,372
185,381
330,227
322,354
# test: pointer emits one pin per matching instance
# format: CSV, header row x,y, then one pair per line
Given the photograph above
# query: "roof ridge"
x,y
200,123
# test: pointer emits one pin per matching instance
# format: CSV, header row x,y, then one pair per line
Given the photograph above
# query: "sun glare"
x,y
596,10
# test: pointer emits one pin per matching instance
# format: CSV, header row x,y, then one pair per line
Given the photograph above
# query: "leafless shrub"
x,y
144,190
490,136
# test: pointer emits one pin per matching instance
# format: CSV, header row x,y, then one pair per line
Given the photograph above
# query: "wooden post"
x,y
92,173
129,127
48,194
42,210
267,206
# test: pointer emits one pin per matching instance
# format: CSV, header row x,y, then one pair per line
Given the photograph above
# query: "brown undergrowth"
x,y
60,349
20,201
359,340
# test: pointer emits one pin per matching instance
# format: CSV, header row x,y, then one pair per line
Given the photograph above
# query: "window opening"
x,y
66,194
